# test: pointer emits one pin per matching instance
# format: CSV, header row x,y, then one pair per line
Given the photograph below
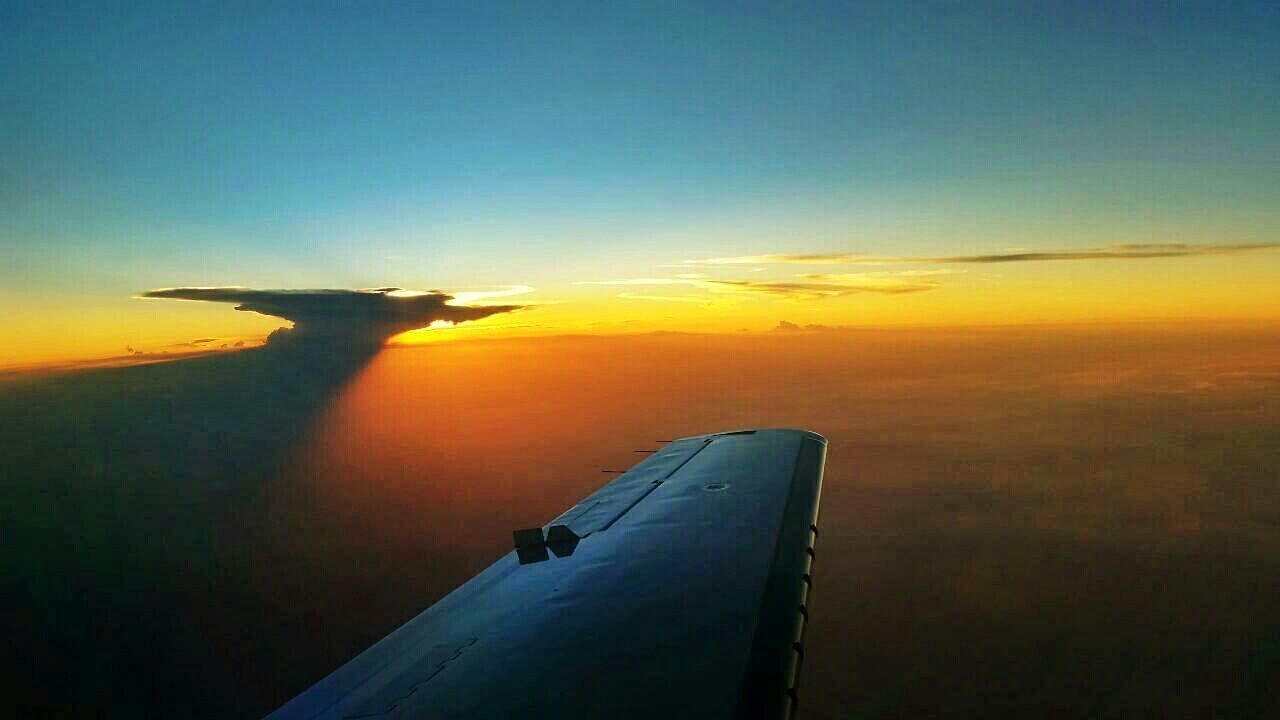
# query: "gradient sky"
x,y
470,147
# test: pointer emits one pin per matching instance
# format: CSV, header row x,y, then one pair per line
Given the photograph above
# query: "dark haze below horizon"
x,y
1083,522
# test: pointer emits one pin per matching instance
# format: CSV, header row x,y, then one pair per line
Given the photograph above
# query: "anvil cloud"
x,y
351,316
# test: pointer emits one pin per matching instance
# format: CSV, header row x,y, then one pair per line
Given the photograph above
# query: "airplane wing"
x,y
680,589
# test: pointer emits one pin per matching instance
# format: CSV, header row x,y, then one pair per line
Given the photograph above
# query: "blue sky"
x,y
356,144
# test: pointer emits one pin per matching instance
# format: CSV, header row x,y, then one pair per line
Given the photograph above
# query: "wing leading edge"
x,y
679,589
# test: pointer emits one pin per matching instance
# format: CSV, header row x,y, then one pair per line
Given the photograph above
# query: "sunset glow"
x,y
313,312
923,179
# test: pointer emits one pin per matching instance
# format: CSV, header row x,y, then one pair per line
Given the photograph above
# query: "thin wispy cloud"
x,y
819,290
817,285
1115,252
810,259
878,275
809,287
1136,251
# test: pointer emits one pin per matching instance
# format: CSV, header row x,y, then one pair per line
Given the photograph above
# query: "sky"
x,y
587,159
1018,261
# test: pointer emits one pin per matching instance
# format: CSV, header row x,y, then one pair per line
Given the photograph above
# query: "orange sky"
x,y
704,298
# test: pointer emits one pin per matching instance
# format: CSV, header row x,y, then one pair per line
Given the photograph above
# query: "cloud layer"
x,y
348,316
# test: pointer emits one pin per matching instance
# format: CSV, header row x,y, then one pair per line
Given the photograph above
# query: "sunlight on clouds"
x,y
469,297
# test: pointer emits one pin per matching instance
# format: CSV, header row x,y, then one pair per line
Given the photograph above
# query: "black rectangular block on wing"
x,y
528,537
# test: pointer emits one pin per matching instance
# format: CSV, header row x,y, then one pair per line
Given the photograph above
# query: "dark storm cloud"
x,y
366,316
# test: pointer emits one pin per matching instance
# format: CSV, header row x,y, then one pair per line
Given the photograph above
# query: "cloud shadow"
x,y
120,486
